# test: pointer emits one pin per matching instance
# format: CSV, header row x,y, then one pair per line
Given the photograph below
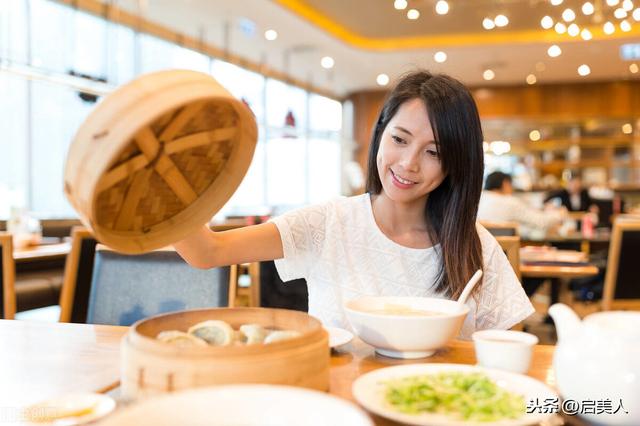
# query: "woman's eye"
x,y
433,153
397,139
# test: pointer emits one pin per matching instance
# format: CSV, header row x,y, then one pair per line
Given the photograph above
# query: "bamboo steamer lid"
x,y
157,158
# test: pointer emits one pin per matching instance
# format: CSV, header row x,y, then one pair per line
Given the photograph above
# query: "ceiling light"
x,y
501,21
327,62
546,22
534,135
627,128
488,24
382,79
500,147
625,26
586,34
442,7
271,35
488,75
440,57
587,8
531,79
556,2
636,14
584,70
613,2
554,51
560,28
633,68
627,5
573,30
608,28
620,13
400,4
413,14
568,15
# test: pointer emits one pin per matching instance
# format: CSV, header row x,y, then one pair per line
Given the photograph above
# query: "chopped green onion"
x,y
467,396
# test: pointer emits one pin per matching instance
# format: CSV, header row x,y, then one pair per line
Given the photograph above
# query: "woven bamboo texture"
x,y
158,158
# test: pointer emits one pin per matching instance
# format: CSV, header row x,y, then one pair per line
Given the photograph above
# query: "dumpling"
x,y
253,333
180,338
278,335
214,332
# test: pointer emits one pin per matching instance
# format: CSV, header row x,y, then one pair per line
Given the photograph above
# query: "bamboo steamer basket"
x,y
151,367
157,158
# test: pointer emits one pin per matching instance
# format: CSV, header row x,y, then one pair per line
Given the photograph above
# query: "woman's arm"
x,y
207,249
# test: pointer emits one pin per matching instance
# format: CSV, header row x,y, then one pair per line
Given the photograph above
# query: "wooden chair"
x,y
501,229
511,247
621,287
7,277
78,270
252,293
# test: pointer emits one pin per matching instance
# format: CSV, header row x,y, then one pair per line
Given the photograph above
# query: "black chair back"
x,y
627,283
83,280
274,293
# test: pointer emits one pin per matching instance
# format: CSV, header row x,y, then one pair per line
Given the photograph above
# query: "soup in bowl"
x,y
405,327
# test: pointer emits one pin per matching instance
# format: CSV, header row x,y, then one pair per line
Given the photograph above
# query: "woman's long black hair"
x,y
452,207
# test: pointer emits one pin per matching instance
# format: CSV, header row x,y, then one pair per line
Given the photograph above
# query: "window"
x,y
57,112
324,169
156,54
297,159
284,103
286,170
325,165
51,21
13,31
13,161
121,53
242,84
88,43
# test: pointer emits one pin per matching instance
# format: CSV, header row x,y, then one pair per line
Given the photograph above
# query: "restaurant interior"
x,y
103,168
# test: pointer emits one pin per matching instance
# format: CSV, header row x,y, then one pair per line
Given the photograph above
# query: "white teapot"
x,y
598,359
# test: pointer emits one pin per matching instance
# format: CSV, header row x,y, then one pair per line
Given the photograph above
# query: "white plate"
x,y
246,405
369,391
338,336
102,405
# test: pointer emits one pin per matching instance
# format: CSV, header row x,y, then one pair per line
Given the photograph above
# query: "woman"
x,y
413,233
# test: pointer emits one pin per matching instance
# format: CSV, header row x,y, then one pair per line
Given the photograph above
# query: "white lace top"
x,y
340,251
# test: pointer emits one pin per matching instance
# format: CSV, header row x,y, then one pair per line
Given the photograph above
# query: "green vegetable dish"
x,y
466,396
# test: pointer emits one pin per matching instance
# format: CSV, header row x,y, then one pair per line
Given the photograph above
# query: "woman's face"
x,y
408,158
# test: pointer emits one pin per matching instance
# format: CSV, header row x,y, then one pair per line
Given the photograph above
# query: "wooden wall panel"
x,y
555,101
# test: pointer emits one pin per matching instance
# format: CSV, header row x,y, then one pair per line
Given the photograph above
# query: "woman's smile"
x,y
401,182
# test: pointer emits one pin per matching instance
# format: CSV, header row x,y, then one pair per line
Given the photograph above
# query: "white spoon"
x,y
469,287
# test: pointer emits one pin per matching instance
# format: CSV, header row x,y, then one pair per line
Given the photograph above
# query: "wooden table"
x,y
600,237
42,360
558,271
43,252
358,358
49,359
559,276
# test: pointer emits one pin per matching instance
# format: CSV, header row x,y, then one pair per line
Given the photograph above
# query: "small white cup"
x,y
504,349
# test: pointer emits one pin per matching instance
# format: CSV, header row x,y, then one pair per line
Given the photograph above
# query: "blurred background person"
x,y
574,198
498,204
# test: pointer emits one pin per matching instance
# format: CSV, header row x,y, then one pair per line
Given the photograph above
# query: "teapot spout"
x,y
566,321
